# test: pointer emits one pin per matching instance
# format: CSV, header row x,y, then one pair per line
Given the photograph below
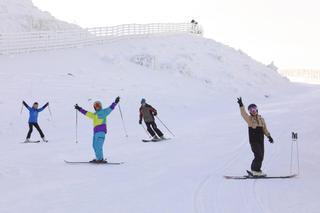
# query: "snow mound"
x,y
23,16
217,65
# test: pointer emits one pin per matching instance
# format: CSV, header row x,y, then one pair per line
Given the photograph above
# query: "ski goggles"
x,y
253,110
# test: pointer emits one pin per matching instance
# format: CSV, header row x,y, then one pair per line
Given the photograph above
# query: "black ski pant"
x,y
152,128
36,125
256,138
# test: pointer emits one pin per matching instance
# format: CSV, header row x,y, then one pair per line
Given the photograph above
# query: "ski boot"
x,y
93,161
102,161
258,174
155,138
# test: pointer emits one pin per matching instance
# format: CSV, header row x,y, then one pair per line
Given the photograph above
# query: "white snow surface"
x,y
23,16
193,82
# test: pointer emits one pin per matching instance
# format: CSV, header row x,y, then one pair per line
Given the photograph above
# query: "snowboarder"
x,y
147,112
33,119
257,130
99,118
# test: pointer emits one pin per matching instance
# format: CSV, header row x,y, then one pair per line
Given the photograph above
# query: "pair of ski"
x,y
251,176
155,140
88,162
38,141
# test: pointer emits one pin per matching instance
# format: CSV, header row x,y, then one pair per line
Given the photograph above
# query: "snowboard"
x,y
250,176
152,140
87,162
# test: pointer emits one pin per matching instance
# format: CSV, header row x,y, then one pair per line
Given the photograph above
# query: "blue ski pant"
x,y
98,141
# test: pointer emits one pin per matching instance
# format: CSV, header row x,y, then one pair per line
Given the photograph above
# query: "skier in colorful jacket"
x,y
33,119
99,118
257,130
147,113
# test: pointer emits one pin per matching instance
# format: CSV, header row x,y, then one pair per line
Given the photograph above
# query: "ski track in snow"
x,y
199,196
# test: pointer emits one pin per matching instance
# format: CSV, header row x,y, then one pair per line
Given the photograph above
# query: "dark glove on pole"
x,y
77,107
270,139
117,100
240,102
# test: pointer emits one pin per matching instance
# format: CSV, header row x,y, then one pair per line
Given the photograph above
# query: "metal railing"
x,y
17,43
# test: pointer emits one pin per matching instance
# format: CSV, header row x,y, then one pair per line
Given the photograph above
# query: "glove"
x,y
240,102
270,139
77,107
117,100
140,121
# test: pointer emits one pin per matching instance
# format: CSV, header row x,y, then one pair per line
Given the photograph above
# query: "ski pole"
x,y
298,160
146,131
165,126
21,109
124,126
76,126
50,111
291,152
295,139
293,136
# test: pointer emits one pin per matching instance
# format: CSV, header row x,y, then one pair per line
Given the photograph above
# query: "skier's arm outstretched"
x,y
44,106
112,106
85,112
26,105
243,112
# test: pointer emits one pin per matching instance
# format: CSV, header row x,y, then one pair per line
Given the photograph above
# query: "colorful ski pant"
x,y
98,141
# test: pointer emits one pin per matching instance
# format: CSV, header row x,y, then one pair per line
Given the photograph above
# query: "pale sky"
x,y
284,31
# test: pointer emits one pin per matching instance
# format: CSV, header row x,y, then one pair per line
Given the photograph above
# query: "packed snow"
x,y
23,16
193,83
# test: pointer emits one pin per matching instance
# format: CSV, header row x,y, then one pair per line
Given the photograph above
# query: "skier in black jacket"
x,y
257,131
147,113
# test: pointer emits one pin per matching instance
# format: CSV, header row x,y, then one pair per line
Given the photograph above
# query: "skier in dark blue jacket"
x,y
33,119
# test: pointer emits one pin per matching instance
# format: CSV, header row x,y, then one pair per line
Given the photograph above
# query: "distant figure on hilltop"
x,y
194,22
147,113
99,118
195,28
33,120
257,129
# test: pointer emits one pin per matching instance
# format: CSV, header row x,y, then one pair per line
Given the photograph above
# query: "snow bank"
x,y
220,67
23,16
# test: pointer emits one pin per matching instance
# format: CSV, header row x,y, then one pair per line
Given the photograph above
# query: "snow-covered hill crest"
x,y
23,16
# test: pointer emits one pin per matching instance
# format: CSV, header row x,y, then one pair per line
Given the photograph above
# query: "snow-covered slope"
x,y
23,16
193,82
